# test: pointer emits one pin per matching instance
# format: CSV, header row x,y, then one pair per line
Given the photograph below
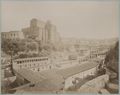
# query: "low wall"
x,y
97,83
82,75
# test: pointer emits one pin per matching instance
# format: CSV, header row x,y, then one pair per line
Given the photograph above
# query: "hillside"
x,y
112,59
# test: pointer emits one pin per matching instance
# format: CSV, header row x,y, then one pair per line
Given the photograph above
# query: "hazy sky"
x,y
80,19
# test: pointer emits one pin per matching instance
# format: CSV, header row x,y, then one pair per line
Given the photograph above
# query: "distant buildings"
x,y
38,30
13,35
41,31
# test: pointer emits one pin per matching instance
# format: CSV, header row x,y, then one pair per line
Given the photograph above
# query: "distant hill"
x,y
112,58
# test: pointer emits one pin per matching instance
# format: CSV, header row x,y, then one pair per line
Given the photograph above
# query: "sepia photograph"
x,y
59,47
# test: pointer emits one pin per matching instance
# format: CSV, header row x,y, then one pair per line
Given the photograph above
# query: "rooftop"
x,y
67,72
30,75
52,80
77,69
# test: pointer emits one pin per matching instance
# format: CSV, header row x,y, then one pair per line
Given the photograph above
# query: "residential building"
x,y
35,64
13,35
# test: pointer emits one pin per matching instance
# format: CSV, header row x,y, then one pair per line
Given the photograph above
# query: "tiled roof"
x,y
77,69
52,80
39,76
30,75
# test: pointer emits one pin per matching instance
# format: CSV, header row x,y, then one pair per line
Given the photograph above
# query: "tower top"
x,y
33,22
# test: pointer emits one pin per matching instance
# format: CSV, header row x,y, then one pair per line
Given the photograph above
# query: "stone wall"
x,y
82,75
97,84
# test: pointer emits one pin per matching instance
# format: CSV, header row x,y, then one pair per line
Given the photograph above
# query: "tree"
x,y
31,46
112,58
22,45
10,47
47,47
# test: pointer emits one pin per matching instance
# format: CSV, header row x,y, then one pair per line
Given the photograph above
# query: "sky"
x,y
78,19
